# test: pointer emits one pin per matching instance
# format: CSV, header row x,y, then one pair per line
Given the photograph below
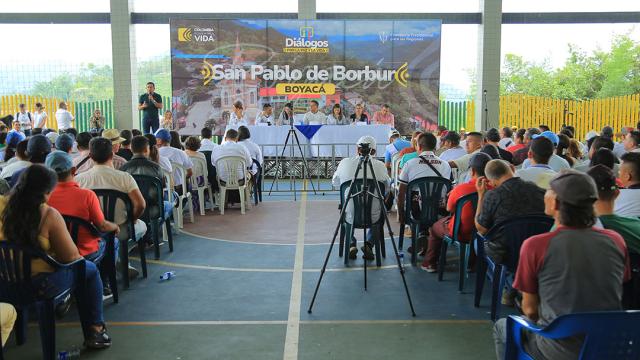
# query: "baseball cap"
x,y
479,160
52,136
549,135
574,188
590,135
13,138
59,161
393,132
64,142
113,135
163,134
38,144
367,139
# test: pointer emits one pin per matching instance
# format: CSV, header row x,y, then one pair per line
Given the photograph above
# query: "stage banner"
x,y
215,63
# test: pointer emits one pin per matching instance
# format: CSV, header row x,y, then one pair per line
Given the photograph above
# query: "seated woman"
x,y
26,219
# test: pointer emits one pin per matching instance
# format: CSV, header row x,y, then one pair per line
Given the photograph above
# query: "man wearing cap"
x,y
64,143
444,226
70,199
628,202
345,172
575,268
38,148
511,196
453,149
396,144
539,172
163,140
556,162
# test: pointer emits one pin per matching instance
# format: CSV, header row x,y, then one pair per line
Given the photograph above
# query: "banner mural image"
x,y
216,63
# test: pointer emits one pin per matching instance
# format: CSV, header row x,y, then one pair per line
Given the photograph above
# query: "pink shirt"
x,y
380,119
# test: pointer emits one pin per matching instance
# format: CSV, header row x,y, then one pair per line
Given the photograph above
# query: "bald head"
x,y
498,170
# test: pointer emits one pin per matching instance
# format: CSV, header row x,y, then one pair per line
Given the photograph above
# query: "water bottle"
x,y
69,355
167,276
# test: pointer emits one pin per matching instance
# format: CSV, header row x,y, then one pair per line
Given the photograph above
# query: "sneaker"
x,y
133,272
368,252
106,293
429,268
353,253
98,340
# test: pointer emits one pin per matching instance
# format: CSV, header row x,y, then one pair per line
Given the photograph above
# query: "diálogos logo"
x,y
401,75
184,34
384,36
303,43
197,34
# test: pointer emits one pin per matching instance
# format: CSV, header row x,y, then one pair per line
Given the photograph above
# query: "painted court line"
x,y
293,322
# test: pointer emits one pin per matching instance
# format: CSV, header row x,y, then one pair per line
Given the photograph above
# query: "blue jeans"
x,y
51,284
150,126
168,209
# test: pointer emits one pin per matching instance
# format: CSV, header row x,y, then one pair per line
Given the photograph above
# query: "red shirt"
x,y
467,222
70,199
407,150
513,148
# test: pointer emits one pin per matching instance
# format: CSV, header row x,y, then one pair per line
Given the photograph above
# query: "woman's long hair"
x,y
562,149
175,140
21,217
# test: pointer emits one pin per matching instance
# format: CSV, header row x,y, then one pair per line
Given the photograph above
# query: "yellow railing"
x,y
9,105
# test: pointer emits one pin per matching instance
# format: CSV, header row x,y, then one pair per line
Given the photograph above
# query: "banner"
x,y
216,63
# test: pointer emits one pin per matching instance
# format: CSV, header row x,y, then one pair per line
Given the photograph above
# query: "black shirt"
x,y
125,153
362,118
505,155
151,111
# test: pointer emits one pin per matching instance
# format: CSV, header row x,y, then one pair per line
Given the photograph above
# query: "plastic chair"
x,y
200,181
16,289
74,224
374,225
607,334
464,248
517,230
108,199
432,190
257,183
185,198
231,164
151,189
211,171
395,166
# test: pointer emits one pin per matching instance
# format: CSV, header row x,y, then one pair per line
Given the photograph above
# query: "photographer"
x,y
346,171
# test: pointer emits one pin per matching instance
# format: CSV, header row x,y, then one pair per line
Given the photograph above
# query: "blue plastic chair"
x,y
73,225
153,215
464,248
16,289
607,334
516,230
108,199
375,225
432,190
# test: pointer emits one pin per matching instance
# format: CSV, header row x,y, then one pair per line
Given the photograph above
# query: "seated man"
x,y
410,152
116,142
163,142
556,162
82,162
539,172
19,162
396,144
575,268
521,154
628,203
444,226
493,138
70,199
230,147
511,196
451,145
205,143
345,172
103,176
64,143
473,144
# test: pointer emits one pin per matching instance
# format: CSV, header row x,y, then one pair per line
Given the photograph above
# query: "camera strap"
x,y
431,166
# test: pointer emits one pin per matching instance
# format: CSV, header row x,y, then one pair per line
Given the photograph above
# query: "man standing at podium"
x,y
149,103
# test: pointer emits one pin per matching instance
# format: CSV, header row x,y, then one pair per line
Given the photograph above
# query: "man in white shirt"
x,y
473,144
539,172
163,139
206,144
345,172
39,117
628,202
254,150
266,116
454,151
314,116
63,117
25,120
556,162
230,147
631,142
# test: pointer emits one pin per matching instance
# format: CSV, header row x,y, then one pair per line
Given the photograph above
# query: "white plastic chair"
x,y
231,164
186,195
395,165
200,171
168,186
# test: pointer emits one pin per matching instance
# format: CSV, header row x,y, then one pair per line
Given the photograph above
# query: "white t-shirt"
x,y
628,203
556,163
315,119
207,145
345,172
254,152
418,168
64,119
177,156
14,166
453,154
505,143
164,163
263,119
230,148
25,120
540,175
236,122
37,117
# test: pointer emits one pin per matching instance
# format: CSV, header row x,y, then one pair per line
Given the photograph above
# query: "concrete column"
x,y
307,9
488,73
123,53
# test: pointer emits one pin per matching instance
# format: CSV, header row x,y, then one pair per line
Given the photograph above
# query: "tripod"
x,y
292,134
365,165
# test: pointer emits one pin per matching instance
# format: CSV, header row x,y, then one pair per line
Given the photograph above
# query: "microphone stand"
x,y
486,110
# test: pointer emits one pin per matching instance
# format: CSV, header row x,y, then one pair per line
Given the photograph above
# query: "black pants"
x,y
150,125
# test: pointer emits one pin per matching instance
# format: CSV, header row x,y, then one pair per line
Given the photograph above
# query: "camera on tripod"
x,y
365,149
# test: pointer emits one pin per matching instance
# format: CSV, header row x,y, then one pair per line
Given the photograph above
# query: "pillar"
x,y
488,73
123,53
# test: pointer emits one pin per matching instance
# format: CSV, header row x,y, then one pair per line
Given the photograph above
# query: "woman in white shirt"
x,y
39,117
286,116
238,118
337,117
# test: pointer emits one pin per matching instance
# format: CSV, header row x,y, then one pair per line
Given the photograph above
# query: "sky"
x,y
56,48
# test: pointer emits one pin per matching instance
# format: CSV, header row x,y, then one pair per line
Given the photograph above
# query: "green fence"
x,y
84,110
453,114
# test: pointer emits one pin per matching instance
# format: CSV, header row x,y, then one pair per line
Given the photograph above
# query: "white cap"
x,y
591,134
52,136
367,139
393,132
